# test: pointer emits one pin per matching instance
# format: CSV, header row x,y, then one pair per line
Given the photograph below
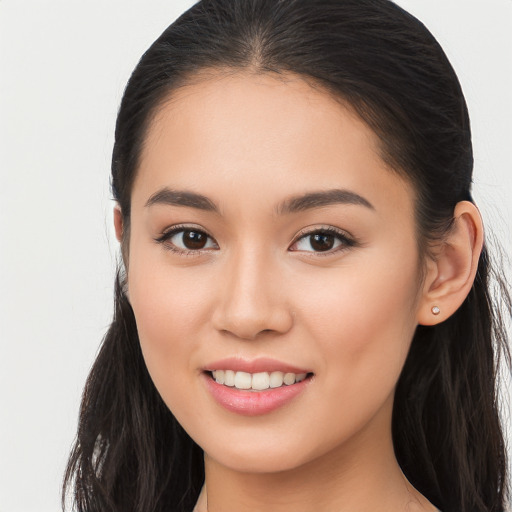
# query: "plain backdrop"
x,y
63,67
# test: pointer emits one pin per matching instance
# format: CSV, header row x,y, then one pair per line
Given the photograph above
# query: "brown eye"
x,y
183,240
322,241
194,239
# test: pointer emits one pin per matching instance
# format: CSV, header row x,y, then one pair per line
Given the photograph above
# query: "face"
x,y
267,238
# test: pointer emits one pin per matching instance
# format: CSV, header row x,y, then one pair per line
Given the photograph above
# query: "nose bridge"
x,y
252,298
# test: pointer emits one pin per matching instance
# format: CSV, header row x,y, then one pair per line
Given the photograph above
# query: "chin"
x,y
256,463
262,456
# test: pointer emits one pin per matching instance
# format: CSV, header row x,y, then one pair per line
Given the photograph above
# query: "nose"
x,y
252,298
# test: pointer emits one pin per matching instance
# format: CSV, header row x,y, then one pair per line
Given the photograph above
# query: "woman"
x,y
303,318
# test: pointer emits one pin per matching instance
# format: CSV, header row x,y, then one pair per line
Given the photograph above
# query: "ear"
x,y
118,226
118,222
451,271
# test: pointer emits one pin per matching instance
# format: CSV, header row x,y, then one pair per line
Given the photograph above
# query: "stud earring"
x,y
435,310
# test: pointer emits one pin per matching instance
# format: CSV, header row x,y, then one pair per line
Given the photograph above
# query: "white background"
x,y
63,67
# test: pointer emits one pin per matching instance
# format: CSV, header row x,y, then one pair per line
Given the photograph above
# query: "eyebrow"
x,y
294,204
322,198
182,198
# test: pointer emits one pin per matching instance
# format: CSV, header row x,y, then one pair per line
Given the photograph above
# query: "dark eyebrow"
x,y
294,204
182,198
322,198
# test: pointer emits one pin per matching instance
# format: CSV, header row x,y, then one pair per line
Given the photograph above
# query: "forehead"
x,y
261,134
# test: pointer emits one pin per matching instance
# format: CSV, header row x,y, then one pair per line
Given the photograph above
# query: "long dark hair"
x,y
130,453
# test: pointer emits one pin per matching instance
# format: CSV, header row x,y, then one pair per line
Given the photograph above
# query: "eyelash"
x,y
167,235
344,238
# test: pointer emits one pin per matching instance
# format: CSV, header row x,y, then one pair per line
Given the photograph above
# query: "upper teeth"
x,y
256,381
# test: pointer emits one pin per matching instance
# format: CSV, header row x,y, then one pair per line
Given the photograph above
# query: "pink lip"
x,y
253,403
261,364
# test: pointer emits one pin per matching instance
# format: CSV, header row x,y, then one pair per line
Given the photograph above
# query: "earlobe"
x,y
451,272
118,223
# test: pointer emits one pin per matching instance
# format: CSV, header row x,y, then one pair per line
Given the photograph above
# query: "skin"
x,y
258,289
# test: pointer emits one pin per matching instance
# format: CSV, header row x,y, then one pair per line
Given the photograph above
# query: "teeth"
x,y
219,376
256,381
243,380
276,379
260,381
289,379
229,378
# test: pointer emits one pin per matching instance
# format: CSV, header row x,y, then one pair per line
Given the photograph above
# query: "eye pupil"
x,y
194,239
322,242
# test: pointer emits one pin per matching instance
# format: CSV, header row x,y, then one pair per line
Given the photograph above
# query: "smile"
x,y
254,394
256,381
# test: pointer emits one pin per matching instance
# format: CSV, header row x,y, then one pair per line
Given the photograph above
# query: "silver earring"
x,y
435,310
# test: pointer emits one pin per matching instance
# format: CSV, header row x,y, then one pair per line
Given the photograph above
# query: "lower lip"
x,y
253,403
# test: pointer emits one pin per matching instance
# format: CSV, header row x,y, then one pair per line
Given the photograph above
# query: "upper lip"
x,y
258,365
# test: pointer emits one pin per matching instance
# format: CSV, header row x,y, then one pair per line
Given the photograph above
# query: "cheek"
x,y
363,319
168,309
171,308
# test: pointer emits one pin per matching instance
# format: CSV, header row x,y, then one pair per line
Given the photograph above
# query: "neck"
x,y
362,475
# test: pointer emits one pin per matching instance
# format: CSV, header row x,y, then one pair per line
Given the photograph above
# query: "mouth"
x,y
255,394
253,387
259,381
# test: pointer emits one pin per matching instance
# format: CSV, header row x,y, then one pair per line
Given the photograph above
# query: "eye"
x,y
322,240
187,240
